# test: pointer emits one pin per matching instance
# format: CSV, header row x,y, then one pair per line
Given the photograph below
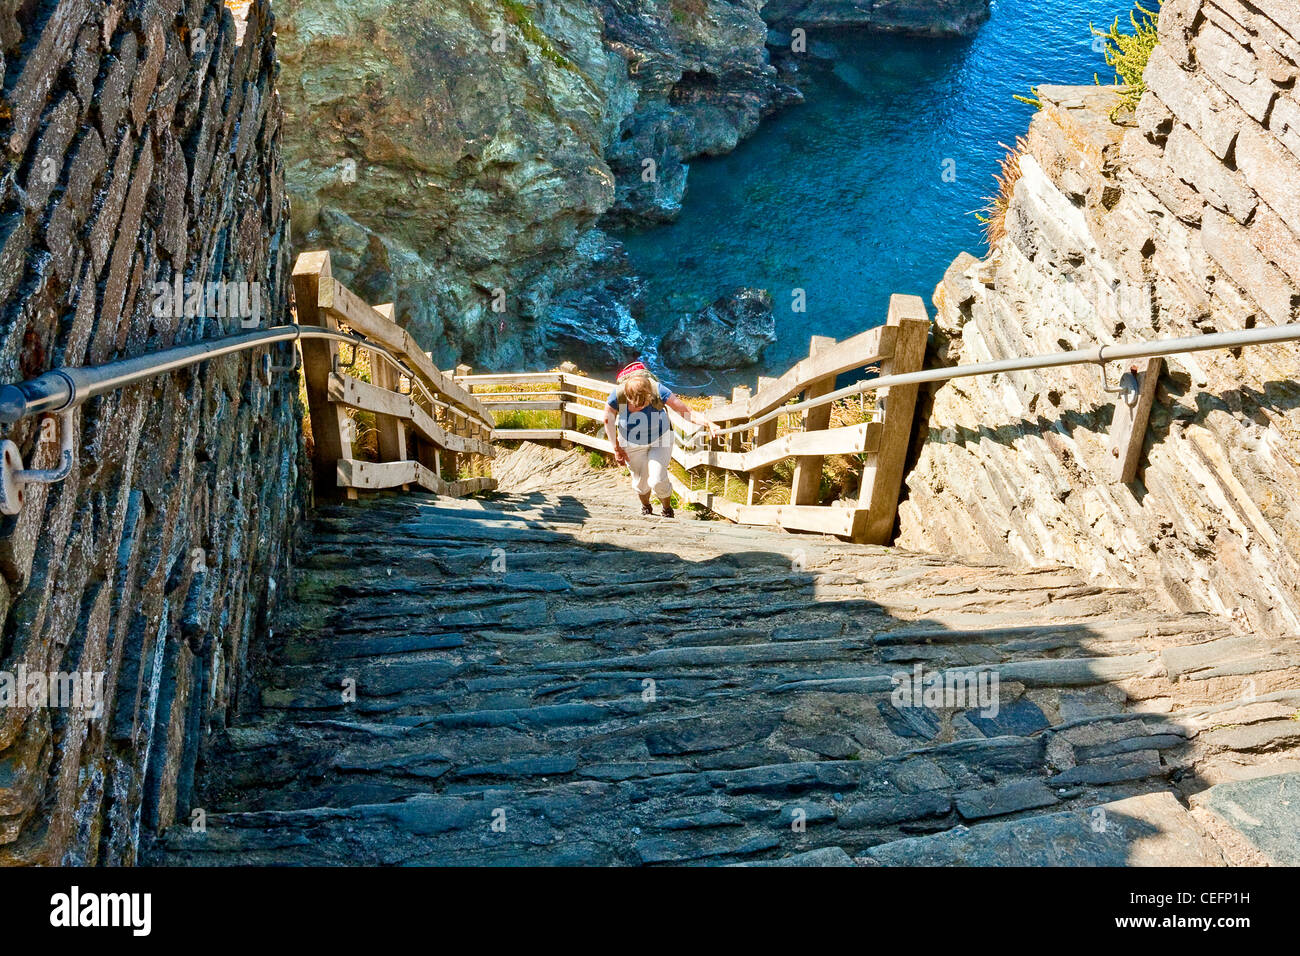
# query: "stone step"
x,y
425,668
1149,830
536,746
1260,815
502,713
716,817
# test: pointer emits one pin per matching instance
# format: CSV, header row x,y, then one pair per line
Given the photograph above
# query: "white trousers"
x,y
649,467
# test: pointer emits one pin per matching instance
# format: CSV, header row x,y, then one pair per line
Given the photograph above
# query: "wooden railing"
x,y
752,445
431,432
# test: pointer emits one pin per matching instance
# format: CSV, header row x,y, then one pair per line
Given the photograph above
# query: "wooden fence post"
x,y
882,478
714,444
1128,429
806,487
568,420
736,441
462,461
763,434
331,427
392,431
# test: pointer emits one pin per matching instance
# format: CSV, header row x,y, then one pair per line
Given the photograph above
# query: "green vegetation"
x,y
1127,53
1032,99
522,17
688,11
522,418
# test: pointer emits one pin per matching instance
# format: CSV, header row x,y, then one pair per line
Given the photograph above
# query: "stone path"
x,y
545,677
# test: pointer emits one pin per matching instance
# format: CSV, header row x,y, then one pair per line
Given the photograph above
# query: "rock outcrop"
x,y
459,157
450,155
1184,221
141,145
730,333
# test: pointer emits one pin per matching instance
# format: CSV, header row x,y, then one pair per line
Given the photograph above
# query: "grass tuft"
x,y
994,215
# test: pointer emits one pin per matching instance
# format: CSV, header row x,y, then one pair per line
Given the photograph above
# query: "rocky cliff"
x,y
1180,220
460,156
140,146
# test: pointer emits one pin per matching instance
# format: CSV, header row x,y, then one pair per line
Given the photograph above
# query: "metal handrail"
x,y
62,390
65,388
1097,355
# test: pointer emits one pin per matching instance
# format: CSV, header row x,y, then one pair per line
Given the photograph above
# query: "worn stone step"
x,y
501,650
1149,830
1263,813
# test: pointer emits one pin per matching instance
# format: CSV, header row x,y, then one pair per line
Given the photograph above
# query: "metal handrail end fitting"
x,y
14,477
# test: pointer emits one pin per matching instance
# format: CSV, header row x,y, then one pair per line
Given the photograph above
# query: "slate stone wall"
x,y
1181,219
140,143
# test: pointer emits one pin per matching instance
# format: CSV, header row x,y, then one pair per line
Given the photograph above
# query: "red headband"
x,y
630,370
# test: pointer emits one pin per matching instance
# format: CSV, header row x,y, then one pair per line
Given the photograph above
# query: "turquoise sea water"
x,y
845,196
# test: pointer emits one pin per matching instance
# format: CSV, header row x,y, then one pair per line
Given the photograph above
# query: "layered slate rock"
x,y
1149,830
1179,220
553,679
506,133
141,147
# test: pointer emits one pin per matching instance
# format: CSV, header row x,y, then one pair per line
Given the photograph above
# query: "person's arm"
x,y
611,432
684,410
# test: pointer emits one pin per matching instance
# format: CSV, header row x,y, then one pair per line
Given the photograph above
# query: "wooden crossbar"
x,y
363,396
417,445
377,476
858,352
346,308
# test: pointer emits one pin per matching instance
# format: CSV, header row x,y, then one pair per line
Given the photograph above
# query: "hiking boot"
x,y
668,510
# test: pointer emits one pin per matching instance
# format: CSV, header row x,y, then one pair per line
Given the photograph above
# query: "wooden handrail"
x,y
415,446
342,305
858,352
896,346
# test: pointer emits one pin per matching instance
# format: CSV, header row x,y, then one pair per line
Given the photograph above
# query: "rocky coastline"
x,y
463,159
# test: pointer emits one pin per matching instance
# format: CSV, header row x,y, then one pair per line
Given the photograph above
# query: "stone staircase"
x,y
545,677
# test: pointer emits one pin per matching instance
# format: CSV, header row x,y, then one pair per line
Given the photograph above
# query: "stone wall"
x,y
1184,218
140,144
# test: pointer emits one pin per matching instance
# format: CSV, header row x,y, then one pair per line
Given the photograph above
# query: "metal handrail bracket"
x,y
14,477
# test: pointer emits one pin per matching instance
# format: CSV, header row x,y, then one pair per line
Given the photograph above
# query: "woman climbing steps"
x,y
637,425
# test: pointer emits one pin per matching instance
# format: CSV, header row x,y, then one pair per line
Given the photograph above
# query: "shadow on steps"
x,y
548,679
